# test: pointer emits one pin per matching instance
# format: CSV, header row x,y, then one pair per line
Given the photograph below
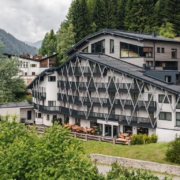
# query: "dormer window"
x,y
98,47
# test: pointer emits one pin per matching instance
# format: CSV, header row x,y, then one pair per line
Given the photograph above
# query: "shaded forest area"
x,y
11,45
88,16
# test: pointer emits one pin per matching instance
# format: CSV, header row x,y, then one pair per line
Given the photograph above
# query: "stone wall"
x,y
132,163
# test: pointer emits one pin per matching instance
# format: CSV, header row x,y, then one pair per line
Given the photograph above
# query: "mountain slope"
x,y
36,44
14,46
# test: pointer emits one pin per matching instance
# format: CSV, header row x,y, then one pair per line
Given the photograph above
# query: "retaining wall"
x,y
132,163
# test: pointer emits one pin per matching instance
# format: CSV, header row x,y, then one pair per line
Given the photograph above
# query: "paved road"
x,y
105,169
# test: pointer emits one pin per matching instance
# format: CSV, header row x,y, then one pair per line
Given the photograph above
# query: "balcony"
x,y
121,119
39,95
78,71
106,102
92,86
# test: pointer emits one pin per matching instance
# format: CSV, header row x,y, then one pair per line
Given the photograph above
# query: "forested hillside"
x,y
87,16
13,46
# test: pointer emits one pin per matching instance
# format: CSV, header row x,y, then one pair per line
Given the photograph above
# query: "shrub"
x,y
154,138
173,152
137,139
143,139
147,139
120,173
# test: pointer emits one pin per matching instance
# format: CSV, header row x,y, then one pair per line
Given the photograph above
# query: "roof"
x,y
119,66
125,34
6,54
18,104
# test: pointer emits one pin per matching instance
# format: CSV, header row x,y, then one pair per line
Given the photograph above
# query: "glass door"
x,y
107,130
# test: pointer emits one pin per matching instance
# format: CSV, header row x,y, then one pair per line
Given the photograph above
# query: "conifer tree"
x,y
65,40
97,15
43,48
109,13
160,13
79,17
173,11
121,4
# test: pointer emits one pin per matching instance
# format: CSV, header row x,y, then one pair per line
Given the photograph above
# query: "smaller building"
x,y
23,110
31,67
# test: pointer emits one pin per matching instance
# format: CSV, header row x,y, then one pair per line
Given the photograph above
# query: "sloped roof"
x,y
6,54
119,66
125,34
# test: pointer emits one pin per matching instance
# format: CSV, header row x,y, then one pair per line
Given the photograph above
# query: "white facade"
x,y
110,91
24,112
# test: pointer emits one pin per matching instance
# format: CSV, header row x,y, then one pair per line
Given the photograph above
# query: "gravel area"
x,y
105,169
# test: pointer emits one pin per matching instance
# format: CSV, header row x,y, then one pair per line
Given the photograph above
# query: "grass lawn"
x,y
149,152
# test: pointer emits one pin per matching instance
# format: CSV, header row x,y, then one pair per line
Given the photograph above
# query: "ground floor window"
x,y
108,130
38,115
48,117
77,122
93,124
115,131
100,129
55,117
141,130
66,119
127,129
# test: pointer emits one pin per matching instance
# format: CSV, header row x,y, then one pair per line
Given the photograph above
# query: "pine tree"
x,y
160,13
173,11
65,40
97,15
43,48
121,4
79,17
109,13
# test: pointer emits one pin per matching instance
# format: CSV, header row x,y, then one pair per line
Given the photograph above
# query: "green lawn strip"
x,y
149,152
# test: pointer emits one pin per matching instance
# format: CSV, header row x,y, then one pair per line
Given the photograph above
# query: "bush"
x,y
120,173
137,139
173,152
143,139
154,138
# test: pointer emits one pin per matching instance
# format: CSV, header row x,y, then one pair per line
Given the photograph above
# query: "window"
x,y
33,73
33,65
178,119
158,49
130,50
127,129
51,103
141,130
93,124
48,117
168,78
38,115
111,45
77,122
51,78
98,47
26,64
25,73
85,50
161,97
174,53
149,63
162,50
165,116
